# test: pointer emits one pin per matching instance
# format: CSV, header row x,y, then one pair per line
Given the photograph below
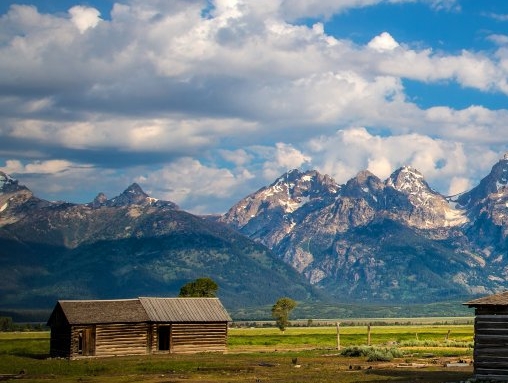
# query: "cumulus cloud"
x,y
383,42
56,177
84,17
285,158
354,149
195,186
207,102
503,17
295,9
459,185
498,39
380,166
41,167
238,157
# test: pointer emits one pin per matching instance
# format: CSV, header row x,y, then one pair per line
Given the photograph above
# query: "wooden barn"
x,y
491,337
139,326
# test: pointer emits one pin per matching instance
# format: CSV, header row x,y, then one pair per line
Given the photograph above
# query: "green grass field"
x,y
326,337
301,354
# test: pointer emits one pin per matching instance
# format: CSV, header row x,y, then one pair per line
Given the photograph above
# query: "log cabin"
x,y
491,337
98,328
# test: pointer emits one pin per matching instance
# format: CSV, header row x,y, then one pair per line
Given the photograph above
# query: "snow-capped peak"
x,y
408,180
5,179
9,184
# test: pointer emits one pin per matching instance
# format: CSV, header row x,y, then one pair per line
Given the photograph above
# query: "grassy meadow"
x,y
300,354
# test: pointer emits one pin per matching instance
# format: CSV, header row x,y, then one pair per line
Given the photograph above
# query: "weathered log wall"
x,y
193,337
198,337
122,339
138,339
491,347
110,340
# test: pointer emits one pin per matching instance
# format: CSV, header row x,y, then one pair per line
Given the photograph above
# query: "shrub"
x,y
373,354
355,351
379,356
435,343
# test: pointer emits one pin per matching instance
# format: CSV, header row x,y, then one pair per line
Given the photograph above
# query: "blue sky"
x,y
204,102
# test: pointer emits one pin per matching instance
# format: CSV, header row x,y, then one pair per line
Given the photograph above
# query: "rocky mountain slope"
x,y
395,240
128,246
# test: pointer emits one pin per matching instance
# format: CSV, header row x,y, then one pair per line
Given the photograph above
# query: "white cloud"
x,y
383,42
52,177
84,17
193,185
295,9
238,157
285,158
497,16
380,166
450,5
355,149
459,185
498,39
243,86
41,167
156,135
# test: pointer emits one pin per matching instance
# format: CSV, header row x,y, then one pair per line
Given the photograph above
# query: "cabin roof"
x,y
103,311
140,310
185,310
500,299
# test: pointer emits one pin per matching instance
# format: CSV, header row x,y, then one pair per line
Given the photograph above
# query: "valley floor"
x,y
260,355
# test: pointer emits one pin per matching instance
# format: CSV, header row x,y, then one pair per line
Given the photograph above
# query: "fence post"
x,y
338,336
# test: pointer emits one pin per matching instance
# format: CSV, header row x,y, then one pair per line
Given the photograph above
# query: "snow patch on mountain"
x,y
292,205
5,181
455,217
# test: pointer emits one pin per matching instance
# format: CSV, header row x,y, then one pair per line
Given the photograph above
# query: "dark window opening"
x,y
163,335
80,342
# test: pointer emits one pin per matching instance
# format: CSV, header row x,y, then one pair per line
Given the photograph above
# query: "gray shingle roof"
x,y
104,311
143,310
185,310
500,299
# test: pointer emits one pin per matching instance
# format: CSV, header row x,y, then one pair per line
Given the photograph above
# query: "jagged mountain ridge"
x,y
350,244
283,203
368,240
487,208
129,245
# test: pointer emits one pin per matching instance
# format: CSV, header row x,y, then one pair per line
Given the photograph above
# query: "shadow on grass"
x,y
423,375
30,355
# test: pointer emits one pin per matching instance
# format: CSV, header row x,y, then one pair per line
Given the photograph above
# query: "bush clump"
x,y
355,351
373,354
435,343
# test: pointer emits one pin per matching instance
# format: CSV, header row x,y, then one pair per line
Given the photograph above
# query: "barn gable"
x,y
491,337
137,326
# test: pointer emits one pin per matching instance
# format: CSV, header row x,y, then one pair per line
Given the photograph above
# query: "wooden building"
x,y
137,327
491,337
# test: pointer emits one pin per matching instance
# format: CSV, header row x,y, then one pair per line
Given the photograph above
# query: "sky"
x,y
204,102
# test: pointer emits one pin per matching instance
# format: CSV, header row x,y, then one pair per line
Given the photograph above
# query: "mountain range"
x,y
128,246
393,241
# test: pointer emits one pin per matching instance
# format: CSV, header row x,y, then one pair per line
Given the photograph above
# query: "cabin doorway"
x,y
163,335
86,341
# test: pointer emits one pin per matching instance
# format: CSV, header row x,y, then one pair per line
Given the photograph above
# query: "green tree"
x,y
201,287
6,324
281,310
